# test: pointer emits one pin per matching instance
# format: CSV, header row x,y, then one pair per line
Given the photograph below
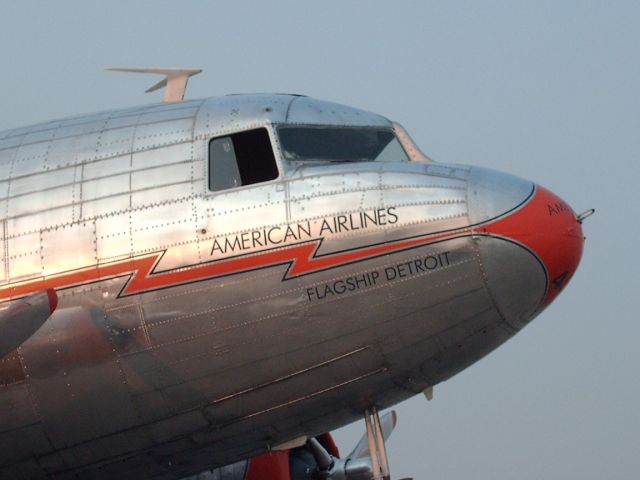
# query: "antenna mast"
x,y
174,81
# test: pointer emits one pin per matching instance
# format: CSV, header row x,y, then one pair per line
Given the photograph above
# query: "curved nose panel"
x,y
548,226
534,229
516,279
491,193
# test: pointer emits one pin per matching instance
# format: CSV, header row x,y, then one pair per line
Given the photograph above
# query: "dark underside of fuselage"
x,y
239,374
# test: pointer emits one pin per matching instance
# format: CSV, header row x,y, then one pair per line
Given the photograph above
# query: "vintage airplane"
x,y
215,284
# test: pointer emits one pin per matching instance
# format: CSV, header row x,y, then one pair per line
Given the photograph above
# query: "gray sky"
x,y
546,90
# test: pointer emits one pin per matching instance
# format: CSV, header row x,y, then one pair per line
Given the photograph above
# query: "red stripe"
x,y
301,257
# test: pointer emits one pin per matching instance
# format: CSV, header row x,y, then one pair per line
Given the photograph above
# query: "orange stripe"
x,y
302,258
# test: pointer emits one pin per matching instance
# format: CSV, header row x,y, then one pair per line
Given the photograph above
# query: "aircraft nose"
x,y
530,242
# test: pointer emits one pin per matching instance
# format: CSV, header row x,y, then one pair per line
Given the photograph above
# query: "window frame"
x,y
273,143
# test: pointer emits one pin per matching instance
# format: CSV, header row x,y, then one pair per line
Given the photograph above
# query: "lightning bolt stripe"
x,y
302,259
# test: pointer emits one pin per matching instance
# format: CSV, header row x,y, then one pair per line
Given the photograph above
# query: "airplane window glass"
x,y
336,144
223,168
243,158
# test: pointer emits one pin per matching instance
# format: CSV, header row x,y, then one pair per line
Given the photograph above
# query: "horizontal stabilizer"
x,y
24,317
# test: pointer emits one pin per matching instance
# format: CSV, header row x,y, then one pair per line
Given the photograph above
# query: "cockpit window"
x,y
340,144
242,158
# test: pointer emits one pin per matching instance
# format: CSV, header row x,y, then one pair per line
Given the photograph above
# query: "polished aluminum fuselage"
x,y
130,379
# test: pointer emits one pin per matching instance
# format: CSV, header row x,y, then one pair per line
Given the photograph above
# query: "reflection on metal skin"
x,y
196,328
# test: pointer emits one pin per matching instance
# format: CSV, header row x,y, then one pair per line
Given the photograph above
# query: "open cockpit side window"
x,y
243,158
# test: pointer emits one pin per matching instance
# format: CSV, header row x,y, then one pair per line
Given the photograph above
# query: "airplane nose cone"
x,y
529,242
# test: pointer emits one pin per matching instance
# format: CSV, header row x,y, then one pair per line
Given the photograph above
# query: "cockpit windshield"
x,y
340,144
